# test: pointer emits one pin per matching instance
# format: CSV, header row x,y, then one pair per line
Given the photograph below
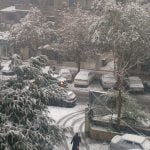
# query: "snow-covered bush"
x,y
24,122
32,32
39,61
131,112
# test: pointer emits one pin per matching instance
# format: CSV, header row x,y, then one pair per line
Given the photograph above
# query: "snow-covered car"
x,y
129,142
84,78
61,80
108,81
65,73
68,99
134,84
6,70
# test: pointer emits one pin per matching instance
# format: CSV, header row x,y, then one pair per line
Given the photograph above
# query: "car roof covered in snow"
x,y
134,138
135,78
109,78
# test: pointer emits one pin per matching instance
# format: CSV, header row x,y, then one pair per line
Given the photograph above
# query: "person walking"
x,y
76,140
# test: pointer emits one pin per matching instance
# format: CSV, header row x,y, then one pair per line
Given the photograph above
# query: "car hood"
x,y
70,95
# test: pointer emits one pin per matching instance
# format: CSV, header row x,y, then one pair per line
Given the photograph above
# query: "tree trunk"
x,y
119,108
119,87
78,65
78,61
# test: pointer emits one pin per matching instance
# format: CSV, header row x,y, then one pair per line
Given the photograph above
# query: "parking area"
x,y
82,92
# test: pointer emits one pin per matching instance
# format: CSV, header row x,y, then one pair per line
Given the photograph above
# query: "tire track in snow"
x,y
77,122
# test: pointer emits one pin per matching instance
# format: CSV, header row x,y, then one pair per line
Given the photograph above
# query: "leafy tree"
x,y
25,125
33,31
74,38
24,122
124,30
39,61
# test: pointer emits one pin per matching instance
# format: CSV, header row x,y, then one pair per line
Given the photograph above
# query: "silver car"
x,y
108,81
135,84
129,142
84,78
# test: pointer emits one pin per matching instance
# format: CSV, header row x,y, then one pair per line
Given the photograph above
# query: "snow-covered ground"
x,y
58,112
74,118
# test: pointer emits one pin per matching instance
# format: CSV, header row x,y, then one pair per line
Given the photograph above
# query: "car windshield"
x,y
146,144
82,76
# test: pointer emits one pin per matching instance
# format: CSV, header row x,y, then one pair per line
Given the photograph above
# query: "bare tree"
x,y
74,39
124,29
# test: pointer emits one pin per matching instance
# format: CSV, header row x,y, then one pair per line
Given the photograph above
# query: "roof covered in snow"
x,y
4,35
12,9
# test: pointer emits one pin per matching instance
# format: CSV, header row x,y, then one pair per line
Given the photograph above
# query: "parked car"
x,y
60,80
6,70
108,81
65,73
84,78
129,142
67,100
70,100
134,84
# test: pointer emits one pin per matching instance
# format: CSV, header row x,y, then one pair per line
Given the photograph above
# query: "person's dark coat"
x,y
76,140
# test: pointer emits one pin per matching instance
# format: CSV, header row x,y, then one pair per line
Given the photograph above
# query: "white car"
x,y
65,73
84,78
129,142
108,81
135,84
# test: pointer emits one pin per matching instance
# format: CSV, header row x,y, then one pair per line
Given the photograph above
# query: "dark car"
x,y
147,86
63,98
69,100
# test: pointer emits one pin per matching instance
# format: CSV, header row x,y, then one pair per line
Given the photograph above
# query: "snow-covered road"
x,y
74,117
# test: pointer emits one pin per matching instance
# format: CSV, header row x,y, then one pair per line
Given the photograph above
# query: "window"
x,y
86,3
3,51
50,2
10,17
72,3
137,146
127,144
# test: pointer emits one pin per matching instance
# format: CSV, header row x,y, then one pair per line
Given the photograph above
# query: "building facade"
x,y
6,48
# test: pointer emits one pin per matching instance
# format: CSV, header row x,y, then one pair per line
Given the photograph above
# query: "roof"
x,y
134,138
12,9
